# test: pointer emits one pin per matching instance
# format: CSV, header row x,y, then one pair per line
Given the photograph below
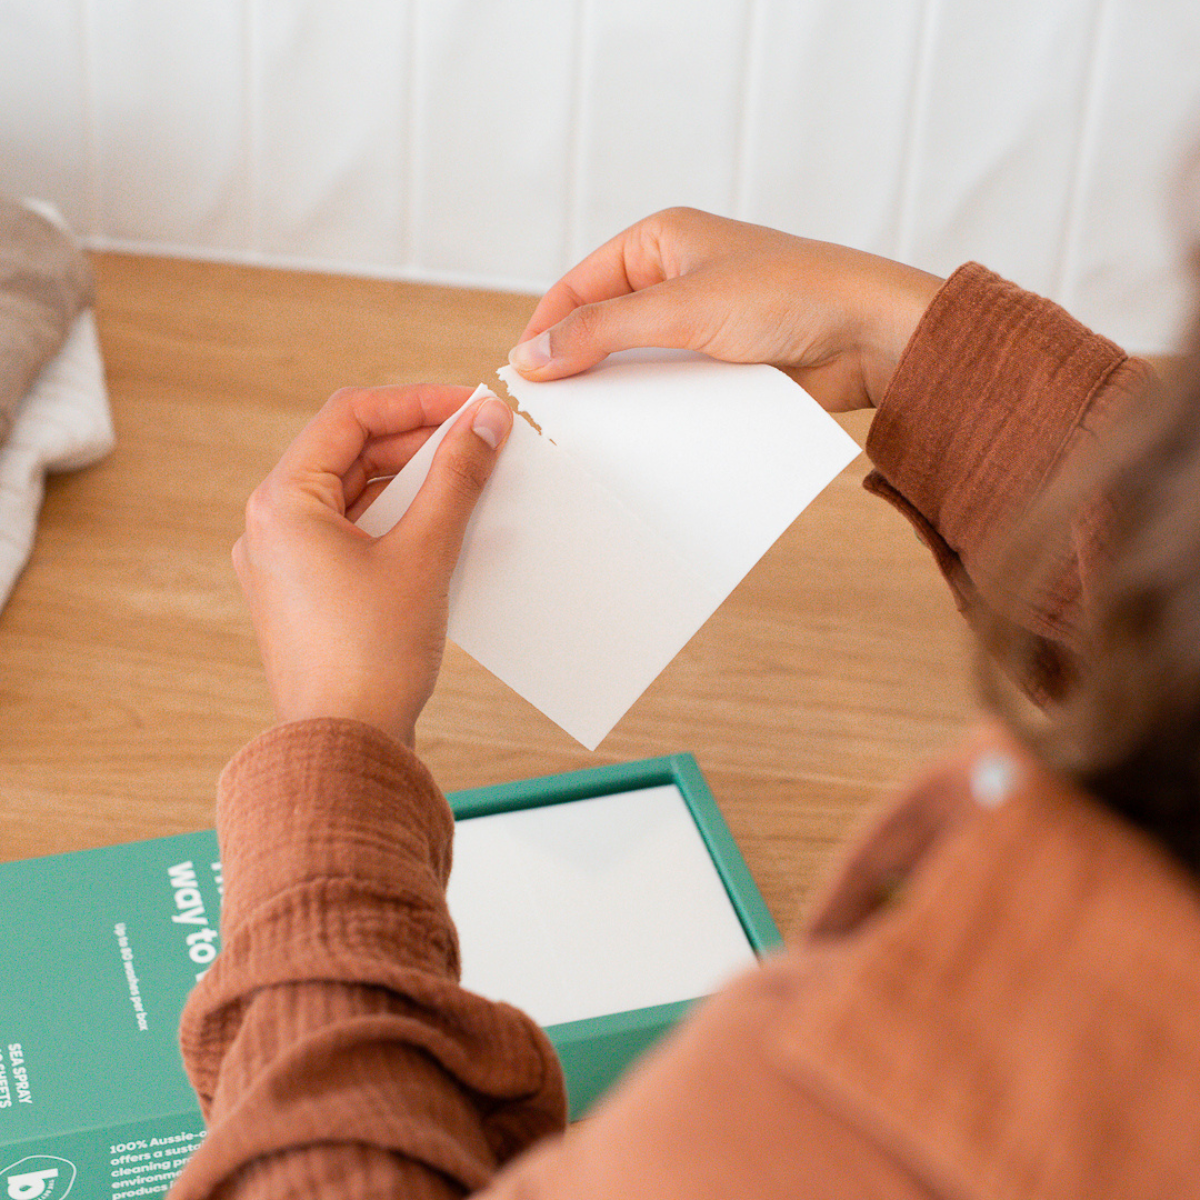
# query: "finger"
x,y
379,462
384,457
674,313
240,559
358,502
332,442
637,258
435,522
657,248
603,275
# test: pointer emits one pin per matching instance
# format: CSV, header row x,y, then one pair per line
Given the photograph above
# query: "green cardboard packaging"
x,y
101,947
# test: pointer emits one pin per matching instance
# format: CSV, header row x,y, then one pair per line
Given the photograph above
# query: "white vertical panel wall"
x,y
169,120
994,136
828,111
44,145
329,135
1122,250
659,111
493,111
493,142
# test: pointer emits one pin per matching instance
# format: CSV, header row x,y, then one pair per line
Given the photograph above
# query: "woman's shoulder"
x,y
1009,973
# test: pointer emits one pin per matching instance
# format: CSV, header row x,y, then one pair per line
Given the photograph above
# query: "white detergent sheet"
x,y
600,546
719,458
575,910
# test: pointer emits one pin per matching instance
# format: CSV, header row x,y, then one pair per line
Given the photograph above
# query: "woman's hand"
x,y
350,625
835,319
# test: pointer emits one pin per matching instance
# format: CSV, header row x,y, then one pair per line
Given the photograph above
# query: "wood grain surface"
x,y
128,668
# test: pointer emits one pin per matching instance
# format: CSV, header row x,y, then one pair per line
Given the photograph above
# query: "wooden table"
x,y
128,668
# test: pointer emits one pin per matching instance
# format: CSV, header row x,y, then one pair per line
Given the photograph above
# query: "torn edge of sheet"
x,y
513,402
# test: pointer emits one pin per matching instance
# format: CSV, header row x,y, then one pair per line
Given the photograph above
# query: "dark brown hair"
x,y
1126,721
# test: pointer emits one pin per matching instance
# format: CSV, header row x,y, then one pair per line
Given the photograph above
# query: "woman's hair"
x,y
1127,724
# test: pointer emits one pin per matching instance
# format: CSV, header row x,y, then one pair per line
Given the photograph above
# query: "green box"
x,y
94,970
101,947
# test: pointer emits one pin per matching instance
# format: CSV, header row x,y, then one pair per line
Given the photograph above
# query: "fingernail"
x,y
492,421
533,354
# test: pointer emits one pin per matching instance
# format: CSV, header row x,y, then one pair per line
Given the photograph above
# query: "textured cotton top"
x,y
995,997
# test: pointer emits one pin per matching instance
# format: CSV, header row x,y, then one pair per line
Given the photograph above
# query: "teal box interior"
x,y
101,948
594,1052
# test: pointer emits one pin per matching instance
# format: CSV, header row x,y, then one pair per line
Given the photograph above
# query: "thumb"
x,y
663,315
434,525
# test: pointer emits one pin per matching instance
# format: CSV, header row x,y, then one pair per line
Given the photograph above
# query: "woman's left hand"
x,y
350,625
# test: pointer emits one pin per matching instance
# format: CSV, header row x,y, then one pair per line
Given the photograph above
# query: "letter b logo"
x,y
38,1178
31,1184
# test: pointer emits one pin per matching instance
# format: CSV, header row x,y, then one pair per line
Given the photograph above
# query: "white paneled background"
x,y
494,142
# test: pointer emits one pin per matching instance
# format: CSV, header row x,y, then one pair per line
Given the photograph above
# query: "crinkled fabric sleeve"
x,y
997,391
330,1045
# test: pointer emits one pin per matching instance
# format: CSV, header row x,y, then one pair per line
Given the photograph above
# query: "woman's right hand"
x,y
837,320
